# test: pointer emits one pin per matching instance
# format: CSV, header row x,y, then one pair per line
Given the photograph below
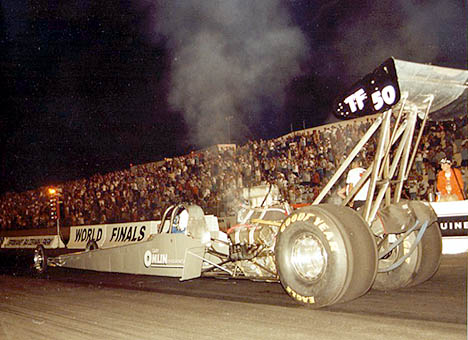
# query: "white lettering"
x,y
453,225
147,258
356,100
377,100
389,94
159,259
386,96
154,259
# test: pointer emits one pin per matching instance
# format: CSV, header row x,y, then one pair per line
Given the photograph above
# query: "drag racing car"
x,y
322,254
325,248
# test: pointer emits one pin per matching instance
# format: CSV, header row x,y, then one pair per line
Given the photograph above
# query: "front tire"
x,y
40,259
91,245
325,254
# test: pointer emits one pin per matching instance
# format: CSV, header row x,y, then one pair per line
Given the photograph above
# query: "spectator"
x,y
203,178
464,154
449,182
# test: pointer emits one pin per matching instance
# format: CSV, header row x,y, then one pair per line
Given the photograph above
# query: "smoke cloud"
x,y
230,60
420,31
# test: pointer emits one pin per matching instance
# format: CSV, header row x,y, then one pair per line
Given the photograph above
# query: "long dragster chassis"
x,y
322,254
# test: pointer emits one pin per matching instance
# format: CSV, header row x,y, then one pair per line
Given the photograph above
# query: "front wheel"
x,y
91,245
325,254
40,259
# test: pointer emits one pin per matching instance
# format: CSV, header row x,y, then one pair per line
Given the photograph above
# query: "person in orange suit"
x,y
449,182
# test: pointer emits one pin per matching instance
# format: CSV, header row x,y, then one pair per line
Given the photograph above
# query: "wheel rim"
x,y
396,253
308,257
38,260
92,245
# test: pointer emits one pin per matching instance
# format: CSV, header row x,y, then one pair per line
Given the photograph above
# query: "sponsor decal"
x,y
318,222
30,242
453,226
153,258
301,217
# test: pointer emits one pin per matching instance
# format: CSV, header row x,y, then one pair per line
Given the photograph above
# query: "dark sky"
x,y
92,86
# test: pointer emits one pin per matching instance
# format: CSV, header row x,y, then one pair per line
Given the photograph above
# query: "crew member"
x,y
354,176
449,182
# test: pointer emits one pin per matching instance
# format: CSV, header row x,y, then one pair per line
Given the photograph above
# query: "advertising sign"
x,y
48,241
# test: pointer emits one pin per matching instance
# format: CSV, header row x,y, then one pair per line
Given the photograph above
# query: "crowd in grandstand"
x,y
299,163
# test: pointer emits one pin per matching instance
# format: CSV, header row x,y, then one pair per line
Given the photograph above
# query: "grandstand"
x,y
300,163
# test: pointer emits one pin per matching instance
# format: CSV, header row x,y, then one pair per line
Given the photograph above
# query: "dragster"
x,y
322,254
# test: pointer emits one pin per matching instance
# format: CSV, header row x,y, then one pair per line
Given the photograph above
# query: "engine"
x,y
253,241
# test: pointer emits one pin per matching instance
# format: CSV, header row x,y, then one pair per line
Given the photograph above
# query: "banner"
x,y
452,217
80,236
48,241
111,235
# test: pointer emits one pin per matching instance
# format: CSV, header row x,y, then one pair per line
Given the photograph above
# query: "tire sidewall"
x,y
431,248
329,286
401,276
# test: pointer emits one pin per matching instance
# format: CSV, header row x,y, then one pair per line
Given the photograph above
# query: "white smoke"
x,y
424,32
229,59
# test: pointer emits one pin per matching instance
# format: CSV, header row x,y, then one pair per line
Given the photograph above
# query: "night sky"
x,y
93,86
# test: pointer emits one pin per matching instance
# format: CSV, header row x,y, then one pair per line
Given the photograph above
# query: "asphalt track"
x,y
70,304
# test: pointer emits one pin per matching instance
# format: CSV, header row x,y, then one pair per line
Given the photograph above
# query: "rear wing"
x,y
446,88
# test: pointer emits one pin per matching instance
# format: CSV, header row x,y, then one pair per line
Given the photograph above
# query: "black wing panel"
x,y
383,89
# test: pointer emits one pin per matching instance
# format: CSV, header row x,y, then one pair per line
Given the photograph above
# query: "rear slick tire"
x,y
325,254
431,253
419,267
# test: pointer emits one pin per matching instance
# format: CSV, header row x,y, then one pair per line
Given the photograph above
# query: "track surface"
x,y
68,304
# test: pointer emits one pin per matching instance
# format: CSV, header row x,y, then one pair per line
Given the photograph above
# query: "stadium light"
x,y
54,191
